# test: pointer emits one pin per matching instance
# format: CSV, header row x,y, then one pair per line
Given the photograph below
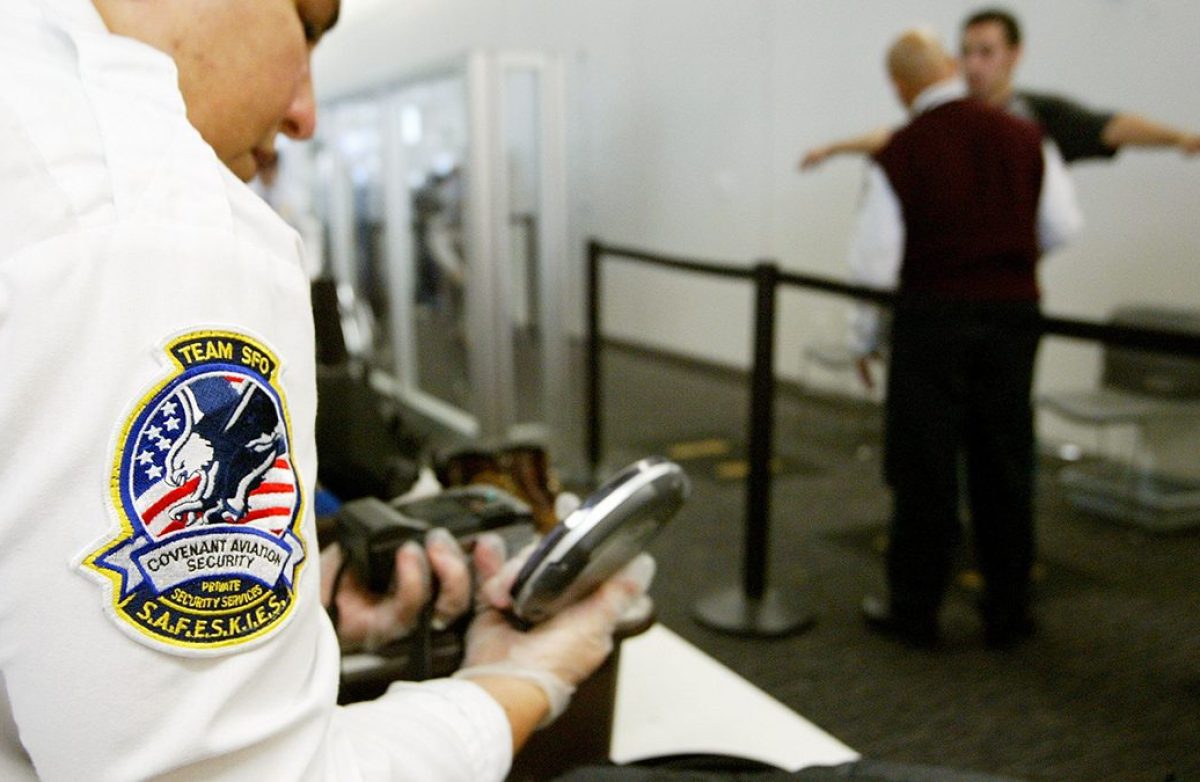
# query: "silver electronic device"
x,y
610,528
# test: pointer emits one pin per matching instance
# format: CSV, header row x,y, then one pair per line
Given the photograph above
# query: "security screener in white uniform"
x,y
160,585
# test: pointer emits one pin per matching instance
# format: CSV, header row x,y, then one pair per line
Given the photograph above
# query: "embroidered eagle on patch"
x,y
207,500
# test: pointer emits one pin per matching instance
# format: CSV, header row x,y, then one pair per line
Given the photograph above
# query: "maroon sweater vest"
x,y
968,178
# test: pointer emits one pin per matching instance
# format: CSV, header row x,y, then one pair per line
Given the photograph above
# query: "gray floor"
x,y
1109,689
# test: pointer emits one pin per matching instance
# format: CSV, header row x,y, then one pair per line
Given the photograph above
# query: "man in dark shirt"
x,y
991,51
960,205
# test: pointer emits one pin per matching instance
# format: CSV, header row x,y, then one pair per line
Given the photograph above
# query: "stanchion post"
x,y
761,427
595,253
753,609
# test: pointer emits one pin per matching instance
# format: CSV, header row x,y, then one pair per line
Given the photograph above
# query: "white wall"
x,y
688,117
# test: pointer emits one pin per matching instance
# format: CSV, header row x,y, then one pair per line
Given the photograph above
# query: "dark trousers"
x,y
959,394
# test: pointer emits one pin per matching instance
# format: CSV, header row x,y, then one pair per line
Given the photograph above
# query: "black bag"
x,y
362,451
363,446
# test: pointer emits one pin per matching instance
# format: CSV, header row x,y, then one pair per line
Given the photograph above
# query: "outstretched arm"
x,y
1138,131
866,144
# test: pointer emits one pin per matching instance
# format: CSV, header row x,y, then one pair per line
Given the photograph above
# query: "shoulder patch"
x,y
208,546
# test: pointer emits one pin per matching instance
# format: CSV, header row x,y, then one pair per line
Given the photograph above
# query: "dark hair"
x,y
1012,28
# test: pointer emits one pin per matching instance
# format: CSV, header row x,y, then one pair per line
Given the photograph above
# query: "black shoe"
x,y
920,633
1008,633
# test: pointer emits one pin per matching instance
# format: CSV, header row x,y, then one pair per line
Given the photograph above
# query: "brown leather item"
x,y
521,470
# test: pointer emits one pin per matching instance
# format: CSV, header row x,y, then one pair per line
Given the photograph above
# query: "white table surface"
x,y
674,699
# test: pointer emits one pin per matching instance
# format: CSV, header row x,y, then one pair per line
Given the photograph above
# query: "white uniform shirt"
x,y
877,247
121,237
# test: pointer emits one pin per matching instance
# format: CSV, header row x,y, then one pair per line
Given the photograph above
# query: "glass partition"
x,y
443,203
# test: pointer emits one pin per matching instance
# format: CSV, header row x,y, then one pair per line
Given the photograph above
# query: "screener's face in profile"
x,y
243,66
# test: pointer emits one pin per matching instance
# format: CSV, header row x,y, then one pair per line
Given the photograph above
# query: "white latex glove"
x,y
368,621
561,652
565,504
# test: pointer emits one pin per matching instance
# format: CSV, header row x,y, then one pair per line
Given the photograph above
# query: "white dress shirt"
x,y
120,230
877,245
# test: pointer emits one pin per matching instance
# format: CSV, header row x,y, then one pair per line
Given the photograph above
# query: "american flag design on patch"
x,y
213,452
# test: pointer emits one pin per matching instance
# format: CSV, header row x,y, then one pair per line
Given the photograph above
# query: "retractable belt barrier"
x,y
752,608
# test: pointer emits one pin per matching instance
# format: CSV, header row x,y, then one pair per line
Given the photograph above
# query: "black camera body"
x,y
370,530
